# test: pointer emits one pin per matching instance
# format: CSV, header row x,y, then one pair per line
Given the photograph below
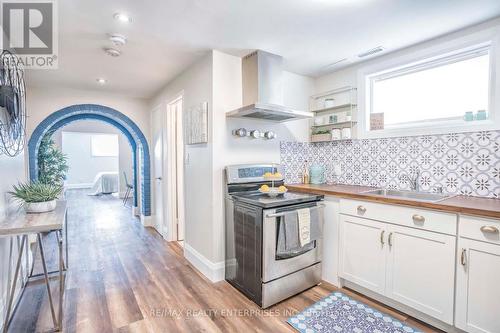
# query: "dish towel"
x,y
288,242
304,217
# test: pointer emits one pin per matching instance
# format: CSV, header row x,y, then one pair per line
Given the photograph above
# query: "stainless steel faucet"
x,y
413,180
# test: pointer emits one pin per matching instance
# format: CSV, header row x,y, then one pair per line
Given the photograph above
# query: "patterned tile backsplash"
x,y
464,163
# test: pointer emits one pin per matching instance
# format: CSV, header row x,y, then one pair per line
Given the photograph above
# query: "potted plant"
x,y
52,163
37,197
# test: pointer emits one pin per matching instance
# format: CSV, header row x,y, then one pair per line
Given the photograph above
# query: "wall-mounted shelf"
x,y
328,140
337,108
334,109
343,124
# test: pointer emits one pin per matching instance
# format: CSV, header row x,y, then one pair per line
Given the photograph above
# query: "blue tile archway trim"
x,y
136,139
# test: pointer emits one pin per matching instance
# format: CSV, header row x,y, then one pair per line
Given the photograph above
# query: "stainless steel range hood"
x,y
262,78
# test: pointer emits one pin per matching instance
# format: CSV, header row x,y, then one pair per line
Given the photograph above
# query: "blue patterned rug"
x,y
339,313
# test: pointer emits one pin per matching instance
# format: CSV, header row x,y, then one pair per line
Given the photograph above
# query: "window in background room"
x,y
104,145
443,91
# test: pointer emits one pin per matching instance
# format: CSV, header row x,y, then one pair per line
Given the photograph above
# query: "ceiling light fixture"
x,y
371,51
112,52
117,39
101,81
122,17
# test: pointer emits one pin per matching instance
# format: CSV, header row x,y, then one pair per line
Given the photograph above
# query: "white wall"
x,y
42,102
196,85
125,158
216,79
12,171
83,166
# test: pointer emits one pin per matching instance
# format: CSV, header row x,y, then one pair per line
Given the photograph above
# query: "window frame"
x,y
442,53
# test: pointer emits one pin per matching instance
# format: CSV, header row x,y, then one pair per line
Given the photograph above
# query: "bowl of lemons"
x,y
273,191
273,176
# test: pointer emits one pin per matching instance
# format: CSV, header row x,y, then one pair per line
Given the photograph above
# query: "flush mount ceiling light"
x,y
117,39
101,81
112,52
371,51
122,17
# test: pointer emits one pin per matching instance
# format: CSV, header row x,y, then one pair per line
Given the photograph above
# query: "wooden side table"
x,y
21,225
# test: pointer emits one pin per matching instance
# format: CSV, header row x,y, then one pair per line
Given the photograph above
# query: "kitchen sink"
x,y
412,195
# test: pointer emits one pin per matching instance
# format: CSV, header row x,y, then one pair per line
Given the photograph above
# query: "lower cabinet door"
x,y
362,255
478,287
421,270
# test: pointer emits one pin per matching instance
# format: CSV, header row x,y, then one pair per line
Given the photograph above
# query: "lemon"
x,y
282,189
278,175
264,188
268,174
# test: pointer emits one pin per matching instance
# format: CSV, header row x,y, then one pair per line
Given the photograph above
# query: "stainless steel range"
x,y
254,265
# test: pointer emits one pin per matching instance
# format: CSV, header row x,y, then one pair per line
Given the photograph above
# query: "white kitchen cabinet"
x,y
478,277
421,270
362,252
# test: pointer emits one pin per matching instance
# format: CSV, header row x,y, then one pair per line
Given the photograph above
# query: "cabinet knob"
x,y
489,229
361,210
418,218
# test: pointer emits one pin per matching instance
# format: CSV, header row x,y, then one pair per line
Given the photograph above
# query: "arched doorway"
x,y
113,117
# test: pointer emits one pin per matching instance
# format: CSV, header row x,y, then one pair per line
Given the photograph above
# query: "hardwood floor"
x,y
125,278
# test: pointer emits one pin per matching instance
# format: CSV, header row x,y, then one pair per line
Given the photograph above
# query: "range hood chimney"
x,y
262,81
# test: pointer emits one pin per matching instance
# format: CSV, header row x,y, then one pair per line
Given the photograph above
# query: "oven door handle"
x,y
280,214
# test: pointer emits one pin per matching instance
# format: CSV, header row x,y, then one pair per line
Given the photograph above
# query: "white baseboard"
x,y
146,221
213,271
76,186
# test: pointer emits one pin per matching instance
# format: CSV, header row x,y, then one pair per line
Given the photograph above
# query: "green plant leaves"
x,y
52,163
36,192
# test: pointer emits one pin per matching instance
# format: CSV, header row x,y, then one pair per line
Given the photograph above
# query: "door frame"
x,y
158,225
176,193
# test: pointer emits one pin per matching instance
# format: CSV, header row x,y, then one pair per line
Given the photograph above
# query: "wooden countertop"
x,y
19,223
485,207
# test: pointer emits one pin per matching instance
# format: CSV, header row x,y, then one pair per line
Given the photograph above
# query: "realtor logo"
x,y
29,31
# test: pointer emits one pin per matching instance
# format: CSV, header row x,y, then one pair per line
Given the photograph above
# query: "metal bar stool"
x,y
129,186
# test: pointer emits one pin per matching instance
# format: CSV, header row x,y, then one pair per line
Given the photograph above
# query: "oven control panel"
x,y
246,173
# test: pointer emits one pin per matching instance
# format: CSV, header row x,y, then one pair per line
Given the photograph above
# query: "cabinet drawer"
x,y
445,223
486,230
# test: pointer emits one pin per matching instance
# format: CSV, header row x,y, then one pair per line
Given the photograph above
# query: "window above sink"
x,y
443,89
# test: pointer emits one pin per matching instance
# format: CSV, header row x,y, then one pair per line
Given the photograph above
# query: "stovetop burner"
x,y
263,200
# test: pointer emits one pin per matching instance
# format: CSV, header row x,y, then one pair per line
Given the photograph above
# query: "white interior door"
x,y
421,270
157,122
363,256
478,287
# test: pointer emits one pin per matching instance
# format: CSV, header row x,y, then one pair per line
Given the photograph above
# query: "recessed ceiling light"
x,y
122,17
112,52
101,80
